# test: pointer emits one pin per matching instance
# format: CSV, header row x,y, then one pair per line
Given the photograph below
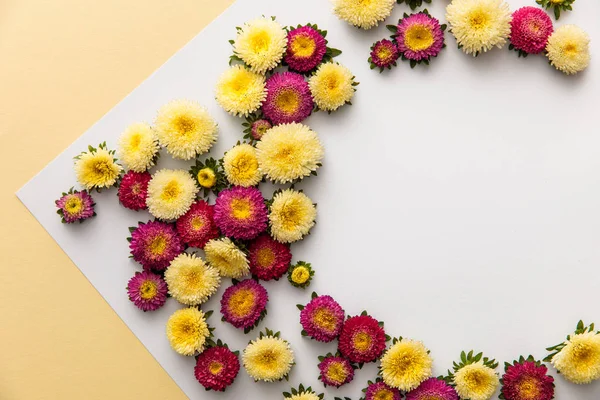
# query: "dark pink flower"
x,y
379,390
75,206
419,37
288,98
362,340
335,371
530,29
384,54
243,303
147,291
155,244
133,190
259,127
216,368
197,226
433,388
322,318
527,379
268,258
241,213
306,48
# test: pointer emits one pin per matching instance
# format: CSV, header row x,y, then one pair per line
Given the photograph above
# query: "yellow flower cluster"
x,y
406,364
170,193
268,359
332,86
138,147
190,280
240,91
97,169
241,166
260,44
476,381
568,49
364,14
227,258
187,331
292,216
579,360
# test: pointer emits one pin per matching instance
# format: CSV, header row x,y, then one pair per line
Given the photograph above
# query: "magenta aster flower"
x,y
268,258
322,318
216,368
241,213
530,29
384,54
243,304
419,37
527,379
306,48
147,291
335,371
259,127
155,244
197,226
433,388
133,190
379,390
288,98
362,340
75,206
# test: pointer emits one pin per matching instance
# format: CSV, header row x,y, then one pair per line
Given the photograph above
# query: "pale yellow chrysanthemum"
x,y
97,168
479,25
190,280
305,396
568,49
171,193
579,360
332,86
227,258
364,14
291,216
289,152
260,43
406,364
476,381
138,147
185,128
240,92
241,166
187,331
268,359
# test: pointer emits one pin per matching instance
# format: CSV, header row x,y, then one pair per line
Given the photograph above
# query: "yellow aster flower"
x,y
260,43
406,364
305,396
190,280
185,128
241,166
332,86
568,49
187,331
579,360
292,215
138,147
289,152
268,359
240,92
476,381
97,168
479,25
364,14
207,177
300,275
227,258
170,193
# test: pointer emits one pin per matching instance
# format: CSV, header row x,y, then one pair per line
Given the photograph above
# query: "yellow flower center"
x,y
303,46
384,52
384,394
325,319
300,275
215,367
245,166
193,279
268,359
240,84
184,124
148,290
260,41
241,209
136,188
197,223
102,168
557,1
570,49
241,302
207,178
476,380
585,356
74,205
418,37
332,81
171,191
265,257
479,19
336,372
528,388
287,101
361,341
157,245
134,141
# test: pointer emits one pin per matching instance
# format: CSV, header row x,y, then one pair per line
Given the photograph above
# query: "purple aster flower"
x,y
147,291
433,388
243,303
241,213
306,48
384,54
322,318
75,206
259,127
155,244
419,37
335,371
379,390
288,98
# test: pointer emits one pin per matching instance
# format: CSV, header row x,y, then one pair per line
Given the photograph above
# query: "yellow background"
x,y
64,64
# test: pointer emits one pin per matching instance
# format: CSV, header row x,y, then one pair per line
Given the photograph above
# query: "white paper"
x,y
459,203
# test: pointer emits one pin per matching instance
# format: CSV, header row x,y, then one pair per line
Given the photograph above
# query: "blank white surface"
x,y
458,202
